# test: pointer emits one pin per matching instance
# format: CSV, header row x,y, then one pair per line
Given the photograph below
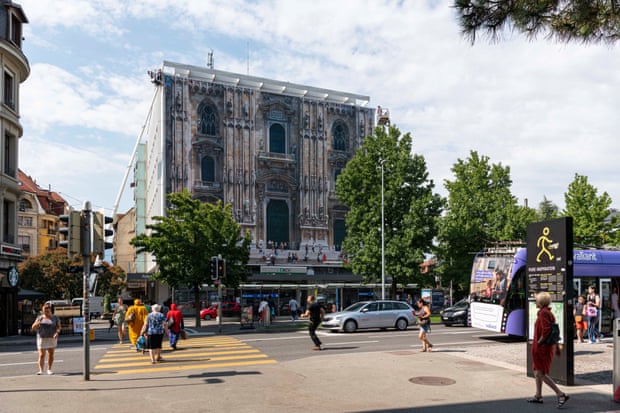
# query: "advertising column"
x,y
550,269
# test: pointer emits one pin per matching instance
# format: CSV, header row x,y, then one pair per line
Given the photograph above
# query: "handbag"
x,y
423,322
131,317
591,311
183,335
578,318
170,322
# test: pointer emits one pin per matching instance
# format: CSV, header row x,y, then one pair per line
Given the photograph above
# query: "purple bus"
x,y
497,287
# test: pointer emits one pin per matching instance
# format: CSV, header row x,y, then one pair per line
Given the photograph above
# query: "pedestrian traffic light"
x,y
72,231
100,233
213,268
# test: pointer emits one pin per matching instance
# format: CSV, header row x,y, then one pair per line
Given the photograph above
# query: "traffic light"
x,y
213,268
100,233
221,268
72,232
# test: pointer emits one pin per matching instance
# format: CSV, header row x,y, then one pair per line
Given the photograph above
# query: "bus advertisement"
x,y
498,287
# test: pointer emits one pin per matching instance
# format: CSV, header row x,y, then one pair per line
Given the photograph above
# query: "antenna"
x,y
210,60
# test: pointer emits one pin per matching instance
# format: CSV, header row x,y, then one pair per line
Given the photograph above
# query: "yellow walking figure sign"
x,y
543,243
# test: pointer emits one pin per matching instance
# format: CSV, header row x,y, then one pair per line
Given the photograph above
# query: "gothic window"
x,y
277,139
207,169
341,137
208,124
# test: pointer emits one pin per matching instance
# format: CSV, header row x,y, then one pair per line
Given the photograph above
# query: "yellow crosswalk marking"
x,y
203,352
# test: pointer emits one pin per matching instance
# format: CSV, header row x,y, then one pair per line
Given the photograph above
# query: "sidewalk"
x,y
450,379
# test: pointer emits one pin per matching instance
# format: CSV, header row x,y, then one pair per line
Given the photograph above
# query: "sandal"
x,y
562,399
535,399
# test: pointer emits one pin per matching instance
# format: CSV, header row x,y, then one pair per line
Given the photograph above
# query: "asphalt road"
x,y
280,345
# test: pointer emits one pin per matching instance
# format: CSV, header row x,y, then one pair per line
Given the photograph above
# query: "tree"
x,y
184,240
583,21
481,209
411,209
547,210
58,276
589,212
53,274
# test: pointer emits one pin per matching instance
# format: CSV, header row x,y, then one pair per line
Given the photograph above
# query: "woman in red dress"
x,y
542,353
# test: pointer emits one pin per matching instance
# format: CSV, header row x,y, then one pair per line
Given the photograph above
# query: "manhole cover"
x,y
432,381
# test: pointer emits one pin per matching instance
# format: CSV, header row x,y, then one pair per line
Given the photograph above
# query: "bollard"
x,y
616,372
92,334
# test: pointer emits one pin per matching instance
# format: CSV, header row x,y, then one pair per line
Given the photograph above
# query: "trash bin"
x,y
92,334
616,373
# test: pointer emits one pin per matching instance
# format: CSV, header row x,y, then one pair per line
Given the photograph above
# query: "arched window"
x,y
24,204
277,139
341,137
207,169
208,123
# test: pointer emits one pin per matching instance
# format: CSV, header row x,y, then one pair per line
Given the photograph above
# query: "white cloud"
x,y
542,108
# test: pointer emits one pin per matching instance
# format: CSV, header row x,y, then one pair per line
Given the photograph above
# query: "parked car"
x,y
371,314
229,308
456,314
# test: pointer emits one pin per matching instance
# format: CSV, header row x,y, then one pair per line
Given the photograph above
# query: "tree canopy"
x,y
411,208
584,21
590,213
184,240
481,209
59,277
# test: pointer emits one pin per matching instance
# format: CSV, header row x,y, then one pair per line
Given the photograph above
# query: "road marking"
x,y
195,353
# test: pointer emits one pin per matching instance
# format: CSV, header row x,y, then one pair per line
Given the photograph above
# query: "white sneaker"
x,y
50,373
598,340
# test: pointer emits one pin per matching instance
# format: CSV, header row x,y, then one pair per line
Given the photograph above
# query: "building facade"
x,y
38,217
272,149
15,70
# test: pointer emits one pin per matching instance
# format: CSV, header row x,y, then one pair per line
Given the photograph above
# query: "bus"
x,y
498,283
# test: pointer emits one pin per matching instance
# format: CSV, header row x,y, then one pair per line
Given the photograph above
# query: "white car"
x,y
371,314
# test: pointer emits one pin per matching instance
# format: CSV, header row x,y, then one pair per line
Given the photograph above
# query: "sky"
x,y
546,110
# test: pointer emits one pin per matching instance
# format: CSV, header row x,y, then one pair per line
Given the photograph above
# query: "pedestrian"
x,y
424,321
48,328
614,303
542,352
580,318
293,306
316,314
119,319
264,312
174,330
593,313
135,318
155,327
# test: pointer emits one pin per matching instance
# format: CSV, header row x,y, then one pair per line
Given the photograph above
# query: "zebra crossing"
x,y
197,352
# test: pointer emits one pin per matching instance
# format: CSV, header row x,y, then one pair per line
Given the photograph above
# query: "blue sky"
x,y
545,109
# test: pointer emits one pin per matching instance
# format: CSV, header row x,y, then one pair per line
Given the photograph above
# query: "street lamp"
x,y
381,162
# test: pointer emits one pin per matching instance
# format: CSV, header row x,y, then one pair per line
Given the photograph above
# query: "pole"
x,y
219,293
86,250
382,236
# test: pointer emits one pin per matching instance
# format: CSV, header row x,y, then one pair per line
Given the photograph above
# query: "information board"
x,y
550,269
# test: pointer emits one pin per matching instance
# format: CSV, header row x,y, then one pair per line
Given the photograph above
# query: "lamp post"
x,y
381,162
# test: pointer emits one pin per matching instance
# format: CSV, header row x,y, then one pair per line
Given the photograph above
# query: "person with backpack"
x,y
543,349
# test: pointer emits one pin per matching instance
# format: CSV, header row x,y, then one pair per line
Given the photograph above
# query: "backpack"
x,y
554,336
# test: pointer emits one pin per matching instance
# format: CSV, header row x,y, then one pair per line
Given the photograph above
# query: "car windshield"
x,y
462,304
355,307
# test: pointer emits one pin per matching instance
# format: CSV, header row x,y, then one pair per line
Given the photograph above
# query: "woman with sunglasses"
x,y
48,327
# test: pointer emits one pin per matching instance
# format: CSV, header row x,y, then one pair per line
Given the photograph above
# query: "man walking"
x,y
293,306
316,313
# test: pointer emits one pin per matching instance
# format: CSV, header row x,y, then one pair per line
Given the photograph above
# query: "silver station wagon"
x,y
371,314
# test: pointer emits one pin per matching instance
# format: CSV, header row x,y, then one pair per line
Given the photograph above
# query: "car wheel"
x,y
207,317
350,326
401,324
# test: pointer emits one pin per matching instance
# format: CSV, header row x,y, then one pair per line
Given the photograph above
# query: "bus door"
x,y
606,318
